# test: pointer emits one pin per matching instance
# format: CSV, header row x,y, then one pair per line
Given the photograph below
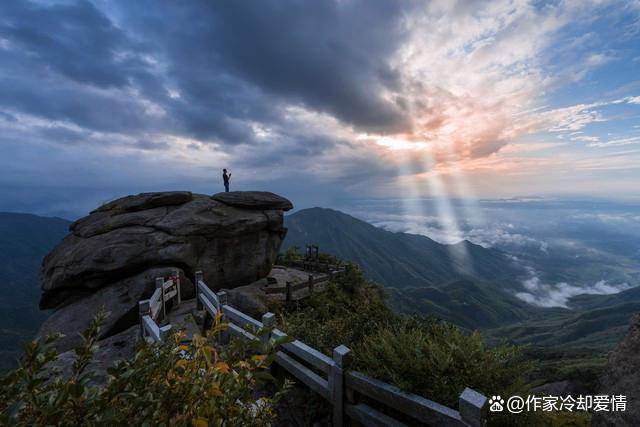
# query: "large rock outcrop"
x,y
622,377
111,256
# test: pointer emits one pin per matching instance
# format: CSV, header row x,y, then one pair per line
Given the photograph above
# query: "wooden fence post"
x,y
473,408
341,358
268,322
160,285
199,277
176,274
288,292
143,310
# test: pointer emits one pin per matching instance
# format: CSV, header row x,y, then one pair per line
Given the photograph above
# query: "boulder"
x,y
249,299
622,377
252,300
119,300
112,256
144,201
253,200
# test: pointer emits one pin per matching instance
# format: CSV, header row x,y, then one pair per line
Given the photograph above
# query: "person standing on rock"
x,y
226,177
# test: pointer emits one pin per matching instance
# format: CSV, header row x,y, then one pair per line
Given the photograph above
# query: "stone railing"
x,y
310,285
352,395
154,309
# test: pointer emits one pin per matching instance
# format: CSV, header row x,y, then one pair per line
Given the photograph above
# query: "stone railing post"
x,y
164,332
176,274
160,285
341,359
143,309
473,408
268,322
288,292
311,284
224,335
199,277
222,296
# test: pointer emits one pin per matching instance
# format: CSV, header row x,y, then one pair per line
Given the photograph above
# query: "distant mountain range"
x,y
24,240
420,274
425,277
396,259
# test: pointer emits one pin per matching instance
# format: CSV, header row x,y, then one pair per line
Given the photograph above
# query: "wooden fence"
x,y
154,309
352,395
310,284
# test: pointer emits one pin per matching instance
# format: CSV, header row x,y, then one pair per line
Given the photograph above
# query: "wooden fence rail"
x,y
151,310
350,393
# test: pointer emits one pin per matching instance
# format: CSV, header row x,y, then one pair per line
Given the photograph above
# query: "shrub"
x,y
437,360
346,312
421,355
292,254
171,384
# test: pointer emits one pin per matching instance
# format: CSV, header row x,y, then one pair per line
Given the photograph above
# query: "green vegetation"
x,y
463,303
195,384
437,360
425,356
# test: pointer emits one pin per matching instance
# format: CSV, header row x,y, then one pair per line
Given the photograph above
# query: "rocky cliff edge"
x,y
111,257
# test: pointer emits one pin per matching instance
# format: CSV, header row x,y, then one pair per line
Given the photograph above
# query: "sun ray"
x,y
411,200
446,216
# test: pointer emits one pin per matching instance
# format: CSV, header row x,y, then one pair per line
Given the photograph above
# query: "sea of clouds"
x,y
558,294
517,232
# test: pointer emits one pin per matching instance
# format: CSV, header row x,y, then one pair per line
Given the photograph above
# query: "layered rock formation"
x,y
112,256
622,377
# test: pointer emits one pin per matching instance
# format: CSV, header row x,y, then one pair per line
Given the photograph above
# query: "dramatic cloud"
x,y
345,96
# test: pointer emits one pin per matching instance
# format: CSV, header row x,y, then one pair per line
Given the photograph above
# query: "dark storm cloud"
x,y
85,85
231,63
75,40
293,149
326,55
79,105
69,63
234,62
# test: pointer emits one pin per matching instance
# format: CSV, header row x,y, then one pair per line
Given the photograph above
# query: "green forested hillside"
x,y
24,240
464,303
422,277
395,259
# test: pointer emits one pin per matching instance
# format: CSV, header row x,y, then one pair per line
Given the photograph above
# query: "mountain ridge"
x,y
485,301
394,259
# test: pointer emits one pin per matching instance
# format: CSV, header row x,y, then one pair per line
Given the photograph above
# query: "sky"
x,y
317,101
